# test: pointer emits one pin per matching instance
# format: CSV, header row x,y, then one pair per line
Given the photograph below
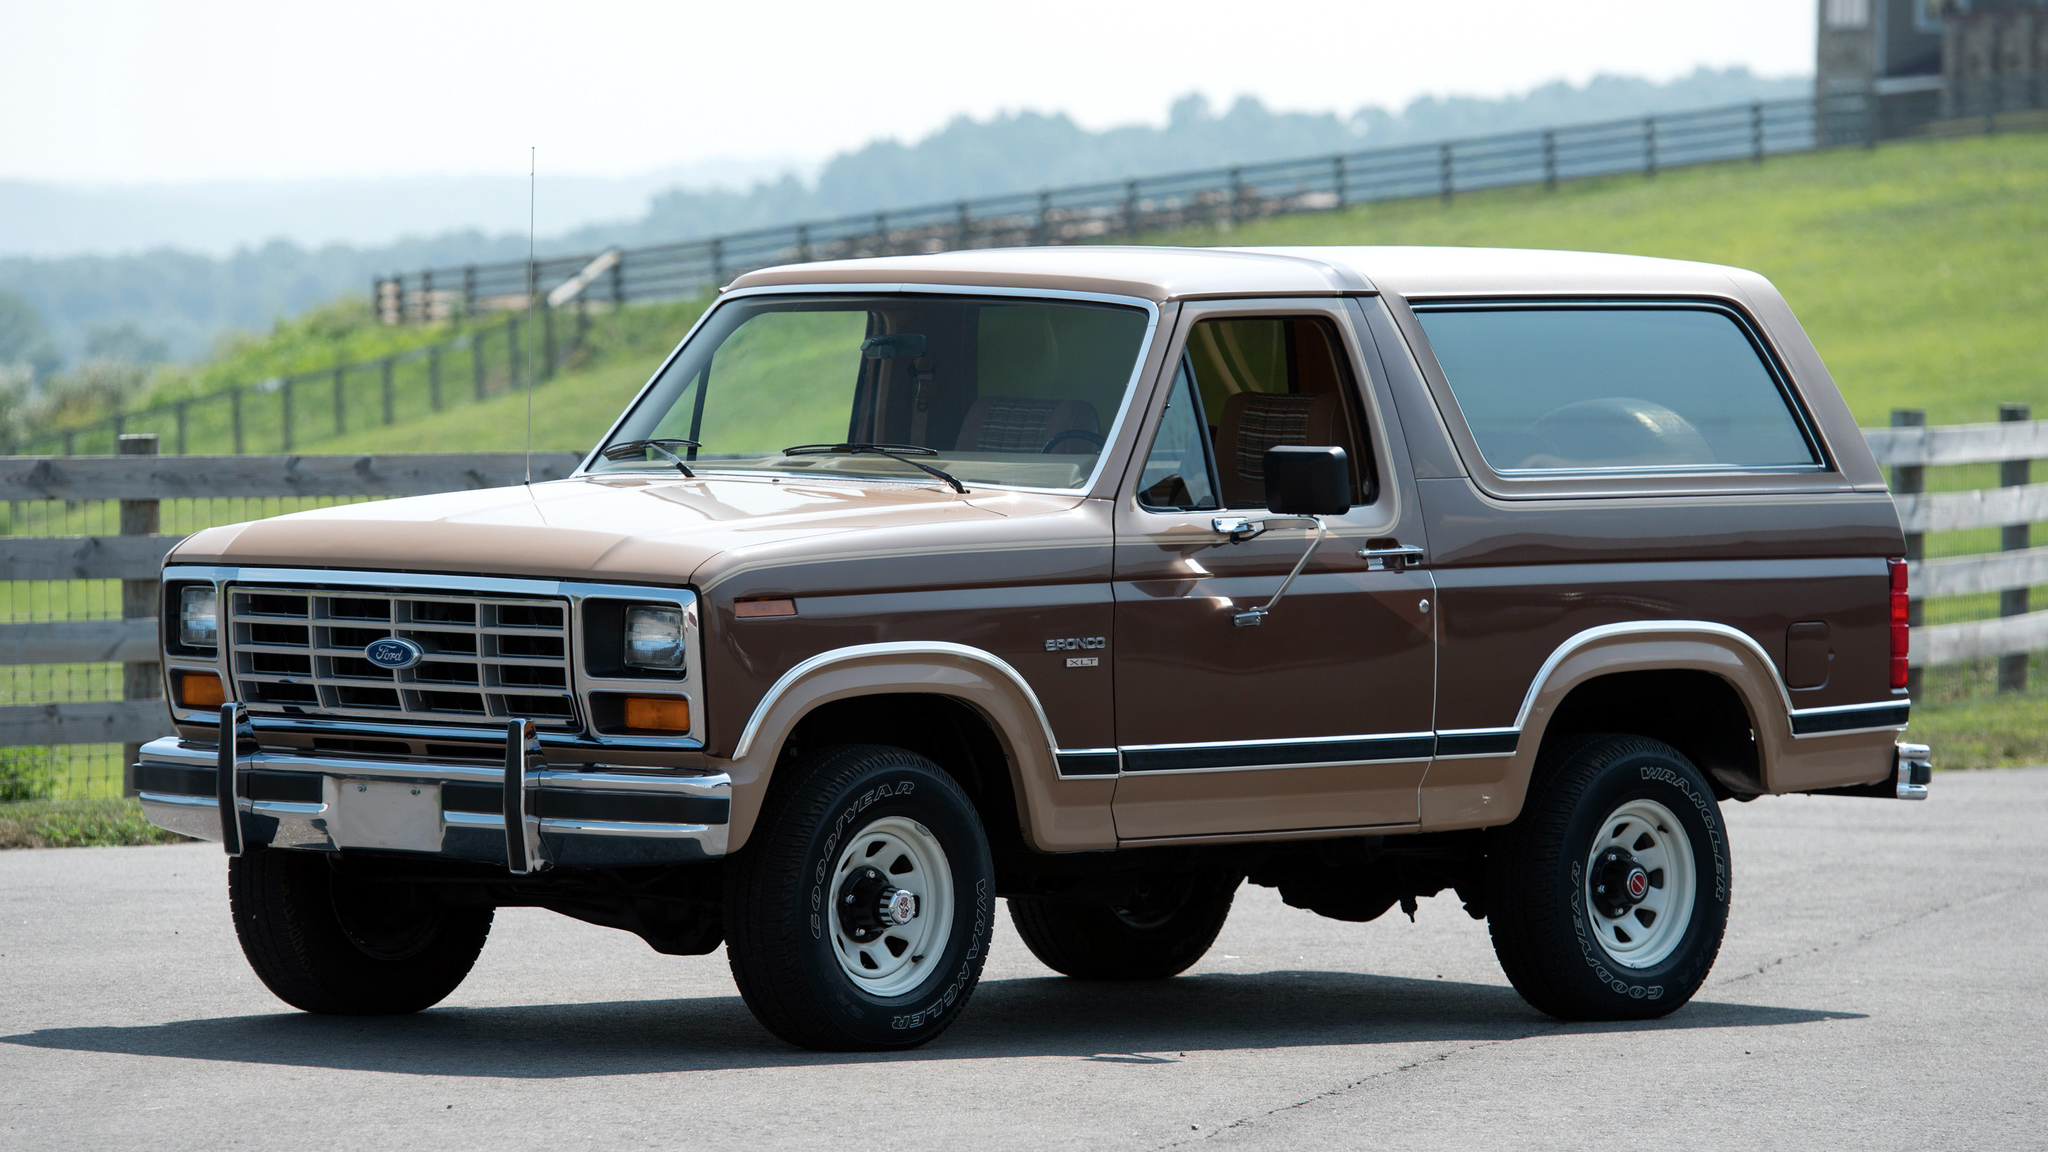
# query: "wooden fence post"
x,y
2012,666
1911,480
1649,147
1131,208
1447,172
547,340
1342,180
1756,132
476,361
469,290
142,681
340,399
512,364
1550,161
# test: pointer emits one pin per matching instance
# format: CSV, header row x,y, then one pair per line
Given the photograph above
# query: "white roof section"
x,y
1164,273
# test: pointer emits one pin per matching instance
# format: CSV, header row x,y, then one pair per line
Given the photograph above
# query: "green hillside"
x,y
1919,269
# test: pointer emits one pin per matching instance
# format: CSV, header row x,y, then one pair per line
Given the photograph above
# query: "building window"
x,y
1846,13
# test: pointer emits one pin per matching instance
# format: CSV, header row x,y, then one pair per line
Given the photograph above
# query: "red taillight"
x,y
1902,635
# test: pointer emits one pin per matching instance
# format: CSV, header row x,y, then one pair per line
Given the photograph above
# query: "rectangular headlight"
x,y
198,616
654,639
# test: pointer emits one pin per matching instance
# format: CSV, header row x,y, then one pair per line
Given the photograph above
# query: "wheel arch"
x,y
963,707
1598,675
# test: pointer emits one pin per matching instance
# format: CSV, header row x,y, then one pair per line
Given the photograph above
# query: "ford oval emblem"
x,y
394,653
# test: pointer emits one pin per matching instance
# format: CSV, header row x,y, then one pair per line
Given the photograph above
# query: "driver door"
x,y
1320,716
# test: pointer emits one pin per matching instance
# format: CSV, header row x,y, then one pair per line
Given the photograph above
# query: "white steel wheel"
x,y
1641,882
893,895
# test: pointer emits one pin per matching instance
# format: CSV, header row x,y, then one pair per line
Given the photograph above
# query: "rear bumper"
x,y
323,803
1912,773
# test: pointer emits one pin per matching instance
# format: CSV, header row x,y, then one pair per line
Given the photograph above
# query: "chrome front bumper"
x,y
243,796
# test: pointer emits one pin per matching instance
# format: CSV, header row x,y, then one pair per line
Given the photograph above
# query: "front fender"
x,y
1056,815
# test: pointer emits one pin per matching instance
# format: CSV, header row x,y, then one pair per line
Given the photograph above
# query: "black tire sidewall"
x,y
291,931
863,785
1646,771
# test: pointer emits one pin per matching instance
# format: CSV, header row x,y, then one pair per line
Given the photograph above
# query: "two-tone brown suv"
x,y
1100,579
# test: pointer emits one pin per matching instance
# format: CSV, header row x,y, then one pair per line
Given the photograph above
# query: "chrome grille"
x,y
299,651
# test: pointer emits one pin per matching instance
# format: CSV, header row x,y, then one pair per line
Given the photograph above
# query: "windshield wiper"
x,y
902,452
627,448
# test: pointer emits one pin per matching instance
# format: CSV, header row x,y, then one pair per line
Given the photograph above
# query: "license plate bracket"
x,y
389,814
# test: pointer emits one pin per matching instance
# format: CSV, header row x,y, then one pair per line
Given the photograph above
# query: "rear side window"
x,y
1582,389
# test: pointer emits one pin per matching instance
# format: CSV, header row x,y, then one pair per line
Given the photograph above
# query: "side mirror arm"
x,y
1258,615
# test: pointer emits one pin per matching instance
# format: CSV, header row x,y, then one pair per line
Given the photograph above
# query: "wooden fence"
x,y
40,490
1909,448
205,490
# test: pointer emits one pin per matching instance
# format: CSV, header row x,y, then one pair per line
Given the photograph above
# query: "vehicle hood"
x,y
630,529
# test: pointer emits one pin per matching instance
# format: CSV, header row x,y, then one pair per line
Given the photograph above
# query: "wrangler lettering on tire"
x,y
1601,905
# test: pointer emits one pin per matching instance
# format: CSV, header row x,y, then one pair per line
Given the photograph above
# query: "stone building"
x,y
1921,60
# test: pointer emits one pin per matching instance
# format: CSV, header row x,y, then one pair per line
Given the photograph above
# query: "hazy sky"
x,y
127,91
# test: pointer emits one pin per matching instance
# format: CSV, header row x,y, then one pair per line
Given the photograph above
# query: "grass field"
x,y
1920,269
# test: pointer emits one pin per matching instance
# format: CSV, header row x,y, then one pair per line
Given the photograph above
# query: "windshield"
x,y
998,391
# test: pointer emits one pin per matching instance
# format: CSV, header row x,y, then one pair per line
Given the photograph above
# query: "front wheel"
x,y
326,942
1610,893
859,912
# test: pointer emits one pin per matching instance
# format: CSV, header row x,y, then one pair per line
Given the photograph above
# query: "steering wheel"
x,y
1096,439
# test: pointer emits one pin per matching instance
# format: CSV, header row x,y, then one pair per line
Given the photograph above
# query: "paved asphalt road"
x,y
1884,985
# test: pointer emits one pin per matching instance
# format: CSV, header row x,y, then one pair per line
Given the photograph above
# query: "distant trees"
x,y
25,343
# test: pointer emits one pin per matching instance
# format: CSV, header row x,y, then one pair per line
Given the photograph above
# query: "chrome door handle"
x,y
1399,556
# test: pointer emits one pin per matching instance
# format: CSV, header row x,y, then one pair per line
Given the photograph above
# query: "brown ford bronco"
x,y
1099,579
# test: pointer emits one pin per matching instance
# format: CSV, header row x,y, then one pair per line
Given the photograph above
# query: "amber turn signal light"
x,y
657,714
200,690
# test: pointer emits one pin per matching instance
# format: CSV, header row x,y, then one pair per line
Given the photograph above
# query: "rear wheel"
x,y
859,912
1158,931
329,943
1610,893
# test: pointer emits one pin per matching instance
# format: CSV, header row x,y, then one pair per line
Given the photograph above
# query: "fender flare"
x,y
974,677
1479,792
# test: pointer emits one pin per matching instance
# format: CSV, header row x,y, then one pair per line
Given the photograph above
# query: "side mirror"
x,y
1307,481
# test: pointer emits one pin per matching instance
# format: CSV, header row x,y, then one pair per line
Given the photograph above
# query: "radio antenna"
x,y
532,300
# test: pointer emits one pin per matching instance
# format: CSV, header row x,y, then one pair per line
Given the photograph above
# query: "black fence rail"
x,y
1228,196
289,412
1129,208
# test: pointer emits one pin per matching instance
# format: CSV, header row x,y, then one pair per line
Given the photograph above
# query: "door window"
x,y
1247,384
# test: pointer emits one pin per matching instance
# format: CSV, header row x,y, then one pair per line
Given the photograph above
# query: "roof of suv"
x,y
1162,273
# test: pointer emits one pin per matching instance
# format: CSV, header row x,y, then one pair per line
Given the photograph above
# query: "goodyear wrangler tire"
x,y
326,943
1159,931
859,913
1610,893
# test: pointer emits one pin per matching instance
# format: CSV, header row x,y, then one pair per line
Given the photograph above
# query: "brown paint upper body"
x,y
1529,588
